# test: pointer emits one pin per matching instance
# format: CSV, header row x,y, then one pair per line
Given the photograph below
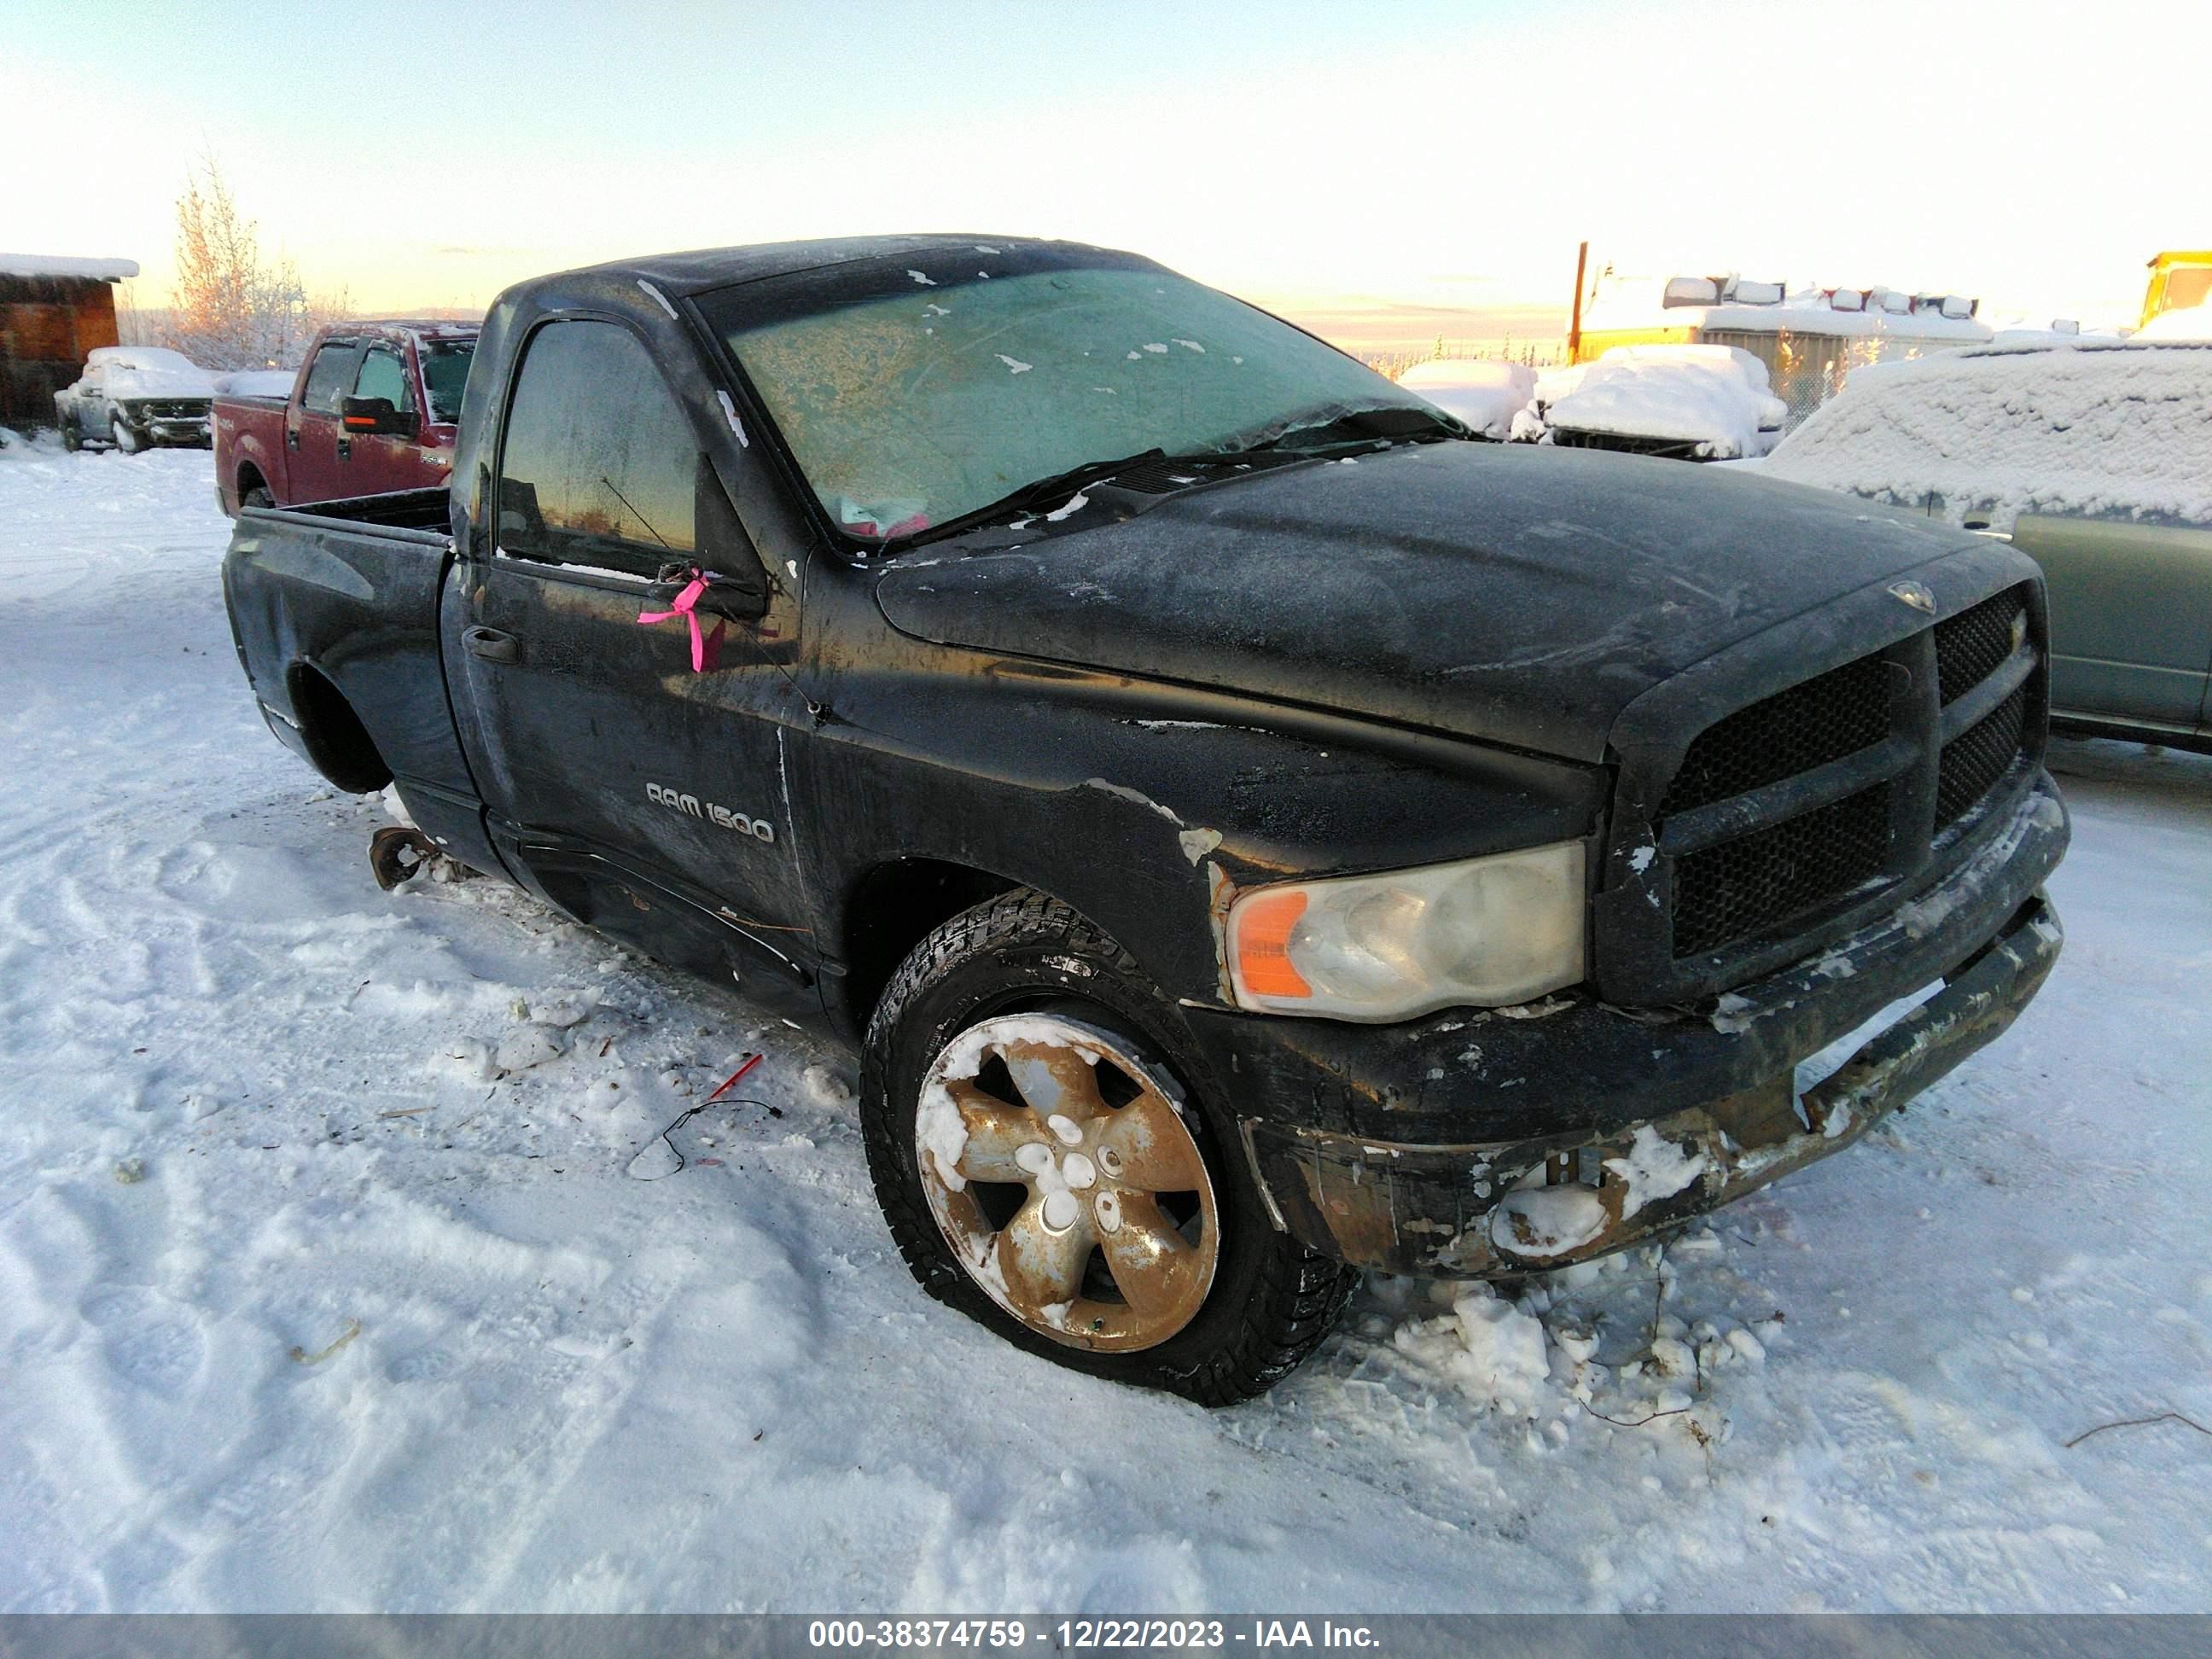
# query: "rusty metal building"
x,y
53,310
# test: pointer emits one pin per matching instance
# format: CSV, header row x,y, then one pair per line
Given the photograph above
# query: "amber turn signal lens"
x,y
1263,945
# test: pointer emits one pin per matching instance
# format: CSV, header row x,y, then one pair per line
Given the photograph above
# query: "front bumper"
x,y
1587,1129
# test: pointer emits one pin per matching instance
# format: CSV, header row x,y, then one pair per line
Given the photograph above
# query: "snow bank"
x,y
2189,322
1483,392
2090,429
1711,395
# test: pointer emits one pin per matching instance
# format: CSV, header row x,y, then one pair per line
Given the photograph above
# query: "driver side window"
x,y
599,464
330,377
384,374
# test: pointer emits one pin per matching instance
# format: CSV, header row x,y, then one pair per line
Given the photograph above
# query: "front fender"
x,y
1146,806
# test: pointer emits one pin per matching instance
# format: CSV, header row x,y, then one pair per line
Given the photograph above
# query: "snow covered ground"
x,y
307,1303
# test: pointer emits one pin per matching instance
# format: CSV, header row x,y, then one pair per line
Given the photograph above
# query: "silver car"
x,y
137,398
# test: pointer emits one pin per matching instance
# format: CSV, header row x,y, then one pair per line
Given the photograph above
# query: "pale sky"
x,y
1426,158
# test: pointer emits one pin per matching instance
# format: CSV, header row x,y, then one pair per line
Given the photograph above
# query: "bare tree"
x,y
232,307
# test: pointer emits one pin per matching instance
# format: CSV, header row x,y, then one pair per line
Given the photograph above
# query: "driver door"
x,y
374,463
640,795
311,424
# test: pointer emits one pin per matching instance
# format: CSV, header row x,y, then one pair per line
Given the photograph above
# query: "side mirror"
x,y
369,417
739,588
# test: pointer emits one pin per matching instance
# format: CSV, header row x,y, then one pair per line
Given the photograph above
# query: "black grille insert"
x,y
1979,757
1762,881
1838,713
1970,647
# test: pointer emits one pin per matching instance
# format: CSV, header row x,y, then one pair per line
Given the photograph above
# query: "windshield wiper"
x,y
1364,424
1050,490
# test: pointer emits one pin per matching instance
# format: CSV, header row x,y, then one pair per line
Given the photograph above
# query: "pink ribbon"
x,y
704,651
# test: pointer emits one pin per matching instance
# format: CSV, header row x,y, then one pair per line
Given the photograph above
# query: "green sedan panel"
x,y
2130,617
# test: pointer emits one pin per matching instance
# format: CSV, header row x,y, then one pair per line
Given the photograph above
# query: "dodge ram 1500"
x,y
1251,829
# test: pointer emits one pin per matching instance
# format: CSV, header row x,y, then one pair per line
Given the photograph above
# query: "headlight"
x,y
1485,932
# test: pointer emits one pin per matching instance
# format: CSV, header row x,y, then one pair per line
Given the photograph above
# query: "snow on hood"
x,y
1713,396
1483,392
2083,430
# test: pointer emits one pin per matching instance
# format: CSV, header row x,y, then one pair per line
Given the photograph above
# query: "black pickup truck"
x,y
1252,829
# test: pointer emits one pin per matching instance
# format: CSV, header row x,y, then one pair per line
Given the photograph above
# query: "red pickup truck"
x,y
374,408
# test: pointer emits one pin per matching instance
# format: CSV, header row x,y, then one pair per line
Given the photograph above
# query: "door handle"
x,y
492,645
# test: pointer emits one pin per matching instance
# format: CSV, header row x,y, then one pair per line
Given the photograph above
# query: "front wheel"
x,y
126,436
1055,1162
72,440
257,497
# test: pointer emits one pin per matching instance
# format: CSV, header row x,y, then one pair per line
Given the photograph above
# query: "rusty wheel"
x,y
1062,1175
1058,1159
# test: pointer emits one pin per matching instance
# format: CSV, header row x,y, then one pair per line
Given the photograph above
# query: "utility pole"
x,y
1575,326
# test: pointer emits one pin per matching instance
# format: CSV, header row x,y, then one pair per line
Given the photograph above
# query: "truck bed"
x,y
335,606
399,509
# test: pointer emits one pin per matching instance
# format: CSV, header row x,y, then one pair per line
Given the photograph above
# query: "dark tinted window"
x,y
600,462
384,374
446,372
331,377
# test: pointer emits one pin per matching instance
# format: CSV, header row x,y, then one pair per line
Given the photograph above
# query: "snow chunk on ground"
x,y
824,1087
1484,394
532,1045
1498,1353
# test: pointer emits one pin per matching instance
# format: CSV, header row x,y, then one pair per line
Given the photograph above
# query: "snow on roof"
x,y
62,264
1713,396
141,356
149,371
2092,429
1625,303
1485,392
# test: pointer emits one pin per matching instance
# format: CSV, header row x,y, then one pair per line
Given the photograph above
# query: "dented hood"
x,y
1509,594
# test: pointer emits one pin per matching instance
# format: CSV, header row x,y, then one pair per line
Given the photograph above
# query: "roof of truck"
x,y
430,325
703,268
